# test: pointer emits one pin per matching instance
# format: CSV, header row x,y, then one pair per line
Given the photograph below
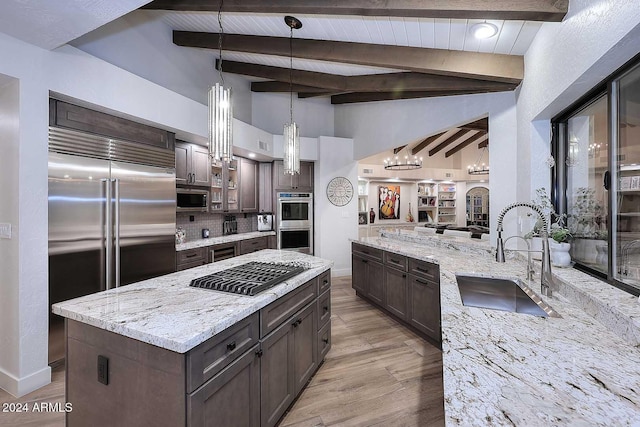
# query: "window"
x,y
597,179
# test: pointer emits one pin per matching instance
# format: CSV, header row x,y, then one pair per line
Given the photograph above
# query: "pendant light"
x,y
291,130
220,111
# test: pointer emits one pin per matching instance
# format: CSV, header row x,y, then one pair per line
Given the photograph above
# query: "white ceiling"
x,y
513,38
52,23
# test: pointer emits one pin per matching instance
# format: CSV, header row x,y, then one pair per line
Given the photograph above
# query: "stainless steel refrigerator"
x,y
112,217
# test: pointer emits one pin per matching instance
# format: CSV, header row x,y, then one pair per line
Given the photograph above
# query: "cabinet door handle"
x,y
365,261
325,340
325,308
190,256
325,281
404,275
259,353
296,323
422,269
421,282
231,346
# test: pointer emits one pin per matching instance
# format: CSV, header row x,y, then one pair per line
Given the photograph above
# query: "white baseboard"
x,y
341,272
18,387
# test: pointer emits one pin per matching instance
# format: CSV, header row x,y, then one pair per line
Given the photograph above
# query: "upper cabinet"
x,y
192,165
248,185
302,181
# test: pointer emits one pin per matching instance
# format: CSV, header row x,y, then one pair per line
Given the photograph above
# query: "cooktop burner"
x,y
248,279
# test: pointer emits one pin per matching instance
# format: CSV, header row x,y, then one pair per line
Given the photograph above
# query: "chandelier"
x,y
291,130
479,168
220,112
406,164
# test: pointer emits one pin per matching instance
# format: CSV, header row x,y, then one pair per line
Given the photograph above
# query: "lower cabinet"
x,y
407,288
231,398
244,376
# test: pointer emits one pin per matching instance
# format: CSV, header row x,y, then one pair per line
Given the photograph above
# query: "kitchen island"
x,y
503,368
160,352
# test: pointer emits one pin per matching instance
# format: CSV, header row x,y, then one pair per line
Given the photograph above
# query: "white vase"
x,y
560,253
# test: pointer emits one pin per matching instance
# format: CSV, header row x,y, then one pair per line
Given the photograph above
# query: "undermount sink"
x,y
502,294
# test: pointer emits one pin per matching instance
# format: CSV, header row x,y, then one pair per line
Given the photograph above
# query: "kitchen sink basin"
x,y
502,294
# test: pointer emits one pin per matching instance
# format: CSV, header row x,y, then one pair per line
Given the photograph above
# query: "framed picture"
x,y
362,218
389,201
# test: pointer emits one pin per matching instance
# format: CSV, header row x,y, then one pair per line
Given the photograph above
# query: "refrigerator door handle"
x,y
117,230
108,234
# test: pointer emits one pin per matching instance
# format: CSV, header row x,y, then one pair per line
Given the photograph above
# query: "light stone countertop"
x,y
202,243
166,312
504,368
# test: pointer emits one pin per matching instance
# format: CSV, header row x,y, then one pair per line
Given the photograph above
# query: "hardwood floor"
x,y
378,373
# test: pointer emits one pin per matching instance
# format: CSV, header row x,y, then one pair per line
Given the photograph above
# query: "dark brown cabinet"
x,y
193,166
190,258
302,181
247,375
411,287
248,185
253,245
265,187
368,277
231,398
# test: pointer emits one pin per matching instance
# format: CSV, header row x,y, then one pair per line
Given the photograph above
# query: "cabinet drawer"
x,y
253,245
207,359
191,256
370,252
425,269
188,265
324,341
324,282
280,310
324,309
395,260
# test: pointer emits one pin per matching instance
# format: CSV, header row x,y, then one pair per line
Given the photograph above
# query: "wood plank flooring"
x,y
378,373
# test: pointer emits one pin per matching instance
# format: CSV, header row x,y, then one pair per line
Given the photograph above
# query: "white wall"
x,y
333,225
141,43
10,318
270,111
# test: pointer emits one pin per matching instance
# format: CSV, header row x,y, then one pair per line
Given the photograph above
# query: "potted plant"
x,y
560,243
543,202
587,224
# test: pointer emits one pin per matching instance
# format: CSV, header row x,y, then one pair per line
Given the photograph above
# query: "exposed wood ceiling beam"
x,y
272,86
303,95
480,125
483,144
475,65
466,143
425,142
398,149
525,10
389,82
453,138
349,98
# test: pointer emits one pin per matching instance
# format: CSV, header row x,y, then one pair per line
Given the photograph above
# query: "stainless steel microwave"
x,y
191,200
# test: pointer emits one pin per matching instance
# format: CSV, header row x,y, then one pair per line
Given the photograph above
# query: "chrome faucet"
x,y
530,270
546,278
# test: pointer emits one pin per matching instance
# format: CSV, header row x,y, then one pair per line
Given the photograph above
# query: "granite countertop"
x,y
201,243
504,368
168,313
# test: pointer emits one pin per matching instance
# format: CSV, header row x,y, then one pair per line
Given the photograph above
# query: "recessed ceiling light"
x,y
252,155
483,30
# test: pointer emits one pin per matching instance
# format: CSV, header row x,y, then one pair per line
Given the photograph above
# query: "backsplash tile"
x,y
214,223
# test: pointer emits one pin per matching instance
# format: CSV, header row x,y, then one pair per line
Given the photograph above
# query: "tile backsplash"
x,y
213,221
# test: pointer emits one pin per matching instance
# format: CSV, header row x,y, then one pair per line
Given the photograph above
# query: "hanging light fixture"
x,y
399,164
478,167
291,130
220,111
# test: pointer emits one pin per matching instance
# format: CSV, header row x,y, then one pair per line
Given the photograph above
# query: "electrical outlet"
x,y
5,231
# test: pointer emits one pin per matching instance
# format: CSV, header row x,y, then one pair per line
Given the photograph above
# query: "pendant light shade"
x,y
220,123
291,130
220,111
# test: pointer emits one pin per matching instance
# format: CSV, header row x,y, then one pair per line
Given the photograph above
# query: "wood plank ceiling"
x,y
375,50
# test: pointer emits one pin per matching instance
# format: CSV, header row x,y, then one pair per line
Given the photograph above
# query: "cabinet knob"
x,y
325,308
231,346
296,323
325,340
259,353
404,275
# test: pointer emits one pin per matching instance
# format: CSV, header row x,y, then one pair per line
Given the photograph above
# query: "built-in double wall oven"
x,y
295,221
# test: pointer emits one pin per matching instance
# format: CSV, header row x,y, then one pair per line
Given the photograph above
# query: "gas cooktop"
x,y
248,279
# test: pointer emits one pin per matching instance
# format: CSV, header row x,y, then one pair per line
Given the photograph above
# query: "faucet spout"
x,y
546,278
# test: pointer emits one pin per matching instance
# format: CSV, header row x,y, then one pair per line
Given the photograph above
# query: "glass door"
x,y
626,183
586,161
